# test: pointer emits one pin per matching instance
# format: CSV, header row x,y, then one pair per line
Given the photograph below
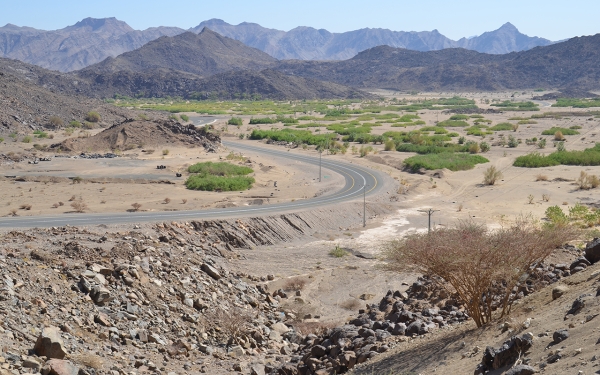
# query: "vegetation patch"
x,y
222,176
587,157
577,103
564,131
504,126
451,161
453,124
292,136
507,105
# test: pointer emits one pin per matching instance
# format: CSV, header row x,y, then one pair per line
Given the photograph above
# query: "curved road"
x,y
356,179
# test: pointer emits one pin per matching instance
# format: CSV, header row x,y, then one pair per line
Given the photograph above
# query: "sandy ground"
x,y
334,286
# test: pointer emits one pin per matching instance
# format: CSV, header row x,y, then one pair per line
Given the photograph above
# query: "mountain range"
x,y
93,40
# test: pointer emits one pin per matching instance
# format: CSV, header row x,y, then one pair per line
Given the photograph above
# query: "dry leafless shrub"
x,y
13,212
234,322
546,197
136,206
296,283
183,201
167,200
79,205
586,182
25,207
480,265
61,204
55,205
541,177
352,304
73,197
89,360
491,175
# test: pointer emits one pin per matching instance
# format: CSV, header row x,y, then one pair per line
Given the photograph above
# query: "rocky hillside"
x,y
203,54
307,43
567,64
143,133
27,103
74,47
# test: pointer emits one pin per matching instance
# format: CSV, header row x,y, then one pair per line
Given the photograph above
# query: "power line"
x,y
429,212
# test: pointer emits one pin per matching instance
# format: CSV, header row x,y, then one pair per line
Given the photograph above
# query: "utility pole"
x,y
429,212
365,205
320,152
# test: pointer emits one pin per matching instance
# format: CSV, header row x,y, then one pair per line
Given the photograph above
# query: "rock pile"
x,y
506,355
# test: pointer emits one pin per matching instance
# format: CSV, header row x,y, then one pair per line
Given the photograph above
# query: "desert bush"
x,y
586,182
485,147
562,131
74,124
216,183
461,140
219,169
480,265
295,284
185,118
491,175
165,152
502,127
167,200
183,201
338,252
92,117
541,177
512,141
389,145
26,139
546,197
530,198
474,148
560,147
541,143
79,205
136,206
25,207
556,216
558,136
55,121
234,322
452,161
235,121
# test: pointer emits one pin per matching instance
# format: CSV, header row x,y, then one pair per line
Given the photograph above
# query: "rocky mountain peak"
x,y
96,24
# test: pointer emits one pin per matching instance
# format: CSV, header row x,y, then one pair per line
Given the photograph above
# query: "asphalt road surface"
x,y
358,181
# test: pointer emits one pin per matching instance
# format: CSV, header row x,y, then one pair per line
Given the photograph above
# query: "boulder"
x,y
560,335
592,251
211,271
50,344
100,295
506,355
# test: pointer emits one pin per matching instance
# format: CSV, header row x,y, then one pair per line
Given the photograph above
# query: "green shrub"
x,y
75,124
292,136
216,183
92,117
485,147
512,141
26,139
575,127
459,117
263,120
564,131
453,124
55,121
588,157
185,118
338,252
461,140
451,161
219,169
389,145
504,126
541,143
235,121
556,215
40,134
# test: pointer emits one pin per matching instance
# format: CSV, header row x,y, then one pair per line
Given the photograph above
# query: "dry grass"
x,y
541,177
79,205
25,207
89,360
136,206
167,200
352,304
315,328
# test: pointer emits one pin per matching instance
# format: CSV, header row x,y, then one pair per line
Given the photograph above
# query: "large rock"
x,y
211,271
59,367
506,355
560,335
50,344
592,251
100,295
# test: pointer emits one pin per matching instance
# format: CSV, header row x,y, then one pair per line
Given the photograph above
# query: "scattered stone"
x,y
521,370
558,291
560,335
59,367
49,344
211,271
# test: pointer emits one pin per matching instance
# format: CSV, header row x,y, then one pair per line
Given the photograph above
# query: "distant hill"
x,y
93,40
74,47
572,63
307,43
203,54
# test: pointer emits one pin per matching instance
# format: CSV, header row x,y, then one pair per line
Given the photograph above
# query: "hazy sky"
x,y
550,19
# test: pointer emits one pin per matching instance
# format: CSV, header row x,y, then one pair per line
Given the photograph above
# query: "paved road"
x,y
356,178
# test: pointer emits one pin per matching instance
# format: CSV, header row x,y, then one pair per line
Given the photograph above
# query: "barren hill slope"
x,y
567,64
203,54
25,103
